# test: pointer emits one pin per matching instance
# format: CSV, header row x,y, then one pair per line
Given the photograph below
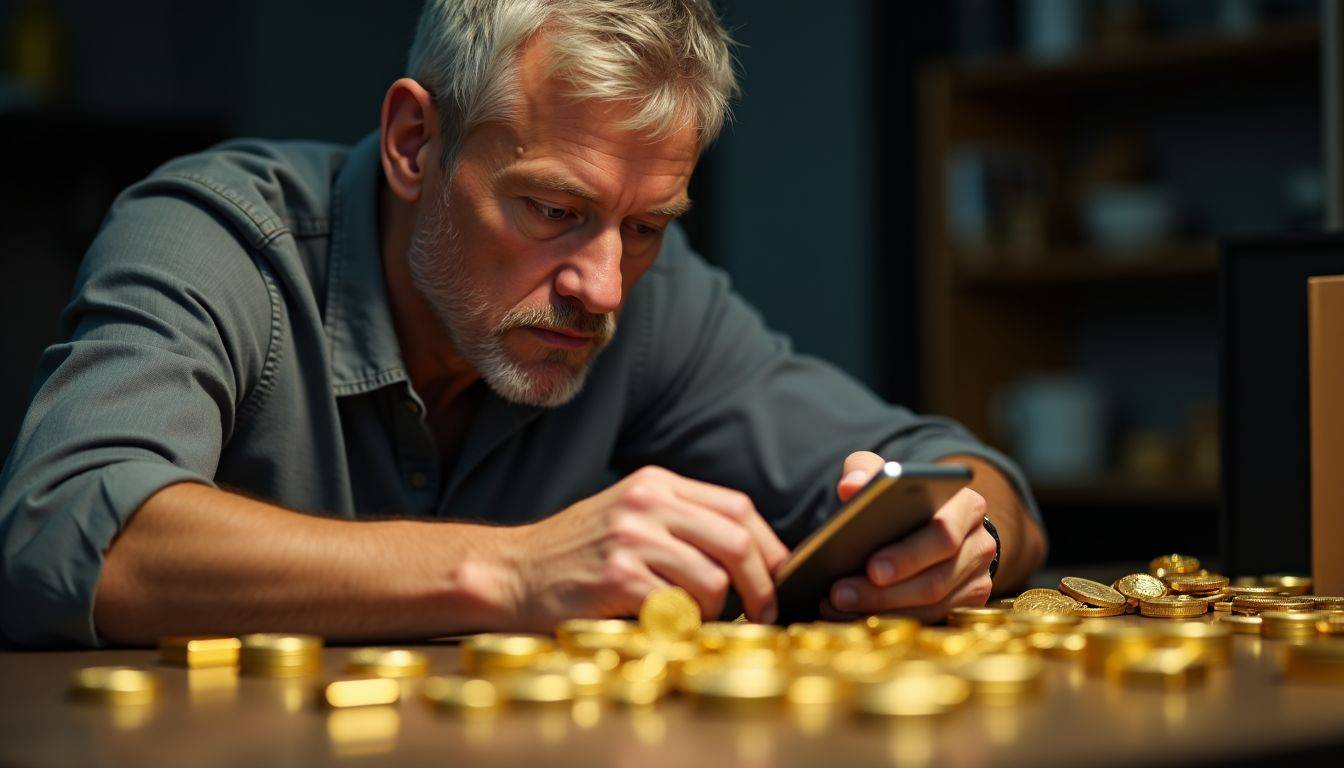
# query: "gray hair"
x,y
668,59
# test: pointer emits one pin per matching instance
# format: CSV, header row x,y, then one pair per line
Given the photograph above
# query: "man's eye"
x,y
644,230
547,212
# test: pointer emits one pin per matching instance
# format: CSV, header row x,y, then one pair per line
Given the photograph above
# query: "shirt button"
x,y
419,480
412,406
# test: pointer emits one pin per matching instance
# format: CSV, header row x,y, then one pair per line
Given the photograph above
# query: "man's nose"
x,y
593,275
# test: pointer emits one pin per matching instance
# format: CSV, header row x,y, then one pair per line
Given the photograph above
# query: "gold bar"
x,y
360,691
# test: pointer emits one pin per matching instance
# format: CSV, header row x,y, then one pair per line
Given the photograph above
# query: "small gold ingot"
x,y
360,691
200,651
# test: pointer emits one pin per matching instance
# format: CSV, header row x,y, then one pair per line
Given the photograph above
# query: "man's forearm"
x,y
1022,546
196,560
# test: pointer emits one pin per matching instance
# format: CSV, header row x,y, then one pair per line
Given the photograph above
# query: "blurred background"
x,y
1006,212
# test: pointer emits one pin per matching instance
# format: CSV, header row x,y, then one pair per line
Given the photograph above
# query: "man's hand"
x,y
601,556
942,565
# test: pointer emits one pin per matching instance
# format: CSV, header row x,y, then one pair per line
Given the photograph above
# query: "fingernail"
x,y
770,614
846,598
855,478
882,572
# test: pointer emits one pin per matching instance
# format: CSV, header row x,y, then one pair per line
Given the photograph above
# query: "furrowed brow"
x,y
672,210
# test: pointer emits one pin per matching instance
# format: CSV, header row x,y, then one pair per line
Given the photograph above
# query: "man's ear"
x,y
409,138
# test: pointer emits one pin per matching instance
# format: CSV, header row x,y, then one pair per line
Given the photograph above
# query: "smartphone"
x,y
899,500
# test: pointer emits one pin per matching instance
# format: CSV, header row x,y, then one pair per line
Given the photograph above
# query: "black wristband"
x,y
998,547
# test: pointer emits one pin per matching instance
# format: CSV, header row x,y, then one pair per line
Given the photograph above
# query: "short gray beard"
x,y
438,273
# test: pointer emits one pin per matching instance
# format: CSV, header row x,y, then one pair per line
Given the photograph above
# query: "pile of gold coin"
x,y
884,666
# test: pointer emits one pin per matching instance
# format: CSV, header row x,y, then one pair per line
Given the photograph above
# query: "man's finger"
x,y
738,507
937,541
733,547
687,567
859,468
929,587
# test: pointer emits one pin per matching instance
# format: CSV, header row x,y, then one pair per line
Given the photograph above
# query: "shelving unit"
x,y
991,319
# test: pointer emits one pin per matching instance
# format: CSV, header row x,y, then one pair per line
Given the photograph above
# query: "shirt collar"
x,y
365,353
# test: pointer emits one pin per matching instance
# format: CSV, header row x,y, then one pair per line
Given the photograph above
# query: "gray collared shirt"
x,y
230,326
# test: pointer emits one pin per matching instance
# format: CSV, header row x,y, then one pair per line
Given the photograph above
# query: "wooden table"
x,y
1243,713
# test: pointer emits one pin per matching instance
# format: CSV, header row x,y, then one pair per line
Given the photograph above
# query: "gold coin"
x,y
1328,602
1172,607
1242,625
816,690
1210,640
725,681
458,692
490,653
1193,582
1174,564
965,616
115,685
593,632
360,691
1256,589
1059,645
1288,583
1289,624
1167,668
946,641
1044,601
892,631
200,651
1044,622
529,687
918,692
1330,623
1002,678
1097,612
1137,586
1108,643
279,655
727,637
669,613
1091,592
829,636
1223,606
387,662
1317,661
1253,604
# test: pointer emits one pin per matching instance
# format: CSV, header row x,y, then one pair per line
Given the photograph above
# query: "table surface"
x,y
212,717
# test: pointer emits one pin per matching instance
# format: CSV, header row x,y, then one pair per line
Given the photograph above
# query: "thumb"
x,y
858,470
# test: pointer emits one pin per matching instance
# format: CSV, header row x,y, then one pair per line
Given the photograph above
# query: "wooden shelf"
x,y
1145,63
1085,266
1120,491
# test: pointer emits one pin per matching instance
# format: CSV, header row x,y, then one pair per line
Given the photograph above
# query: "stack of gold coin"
x,y
1213,642
1319,661
1328,602
1110,645
1196,583
1167,668
489,654
725,679
829,636
1331,623
122,686
946,642
915,689
387,662
200,651
1064,646
1045,622
669,613
1289,625
528,686
1098,599
1173,607
640,681
1003,678
461,693
359,691
1255,589
585,637
277,655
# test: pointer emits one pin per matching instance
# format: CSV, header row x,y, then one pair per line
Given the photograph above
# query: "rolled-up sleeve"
x,y
165,337
721,398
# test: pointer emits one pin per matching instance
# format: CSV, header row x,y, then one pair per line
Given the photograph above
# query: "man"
x,y
441,344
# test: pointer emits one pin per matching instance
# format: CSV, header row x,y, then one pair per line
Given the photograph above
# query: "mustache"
x,y
568,316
